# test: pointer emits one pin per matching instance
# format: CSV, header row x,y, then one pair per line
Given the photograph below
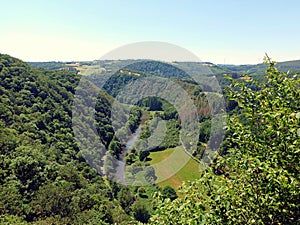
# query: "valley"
x,y
52,167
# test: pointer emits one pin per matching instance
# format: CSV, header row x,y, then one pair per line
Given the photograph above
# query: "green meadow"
x,y
171,159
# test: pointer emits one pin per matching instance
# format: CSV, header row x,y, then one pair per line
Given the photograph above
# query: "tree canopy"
x,y
257,181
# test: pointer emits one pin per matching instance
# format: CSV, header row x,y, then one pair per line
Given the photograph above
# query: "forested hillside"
x,y
43,177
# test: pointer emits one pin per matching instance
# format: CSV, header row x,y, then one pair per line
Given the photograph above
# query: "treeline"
x,y
159,69
48,65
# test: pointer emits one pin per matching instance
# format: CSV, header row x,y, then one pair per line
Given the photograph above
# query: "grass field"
x,y
166,164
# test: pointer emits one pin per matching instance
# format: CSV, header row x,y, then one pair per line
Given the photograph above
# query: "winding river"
x,y
120,173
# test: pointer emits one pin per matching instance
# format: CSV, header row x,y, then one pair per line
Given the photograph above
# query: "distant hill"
x,y
259,69
154,68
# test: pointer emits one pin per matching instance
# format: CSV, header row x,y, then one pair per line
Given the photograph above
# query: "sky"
x,y
218,31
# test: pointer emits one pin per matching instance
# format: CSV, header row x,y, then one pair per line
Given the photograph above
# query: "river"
x,y
120,173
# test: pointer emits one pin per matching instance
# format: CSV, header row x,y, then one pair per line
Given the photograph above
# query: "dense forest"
x,y
45,178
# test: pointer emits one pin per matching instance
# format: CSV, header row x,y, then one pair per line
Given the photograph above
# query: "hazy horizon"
x,y
152,59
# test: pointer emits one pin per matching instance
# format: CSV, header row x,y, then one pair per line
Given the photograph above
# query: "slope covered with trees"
x,y
43,177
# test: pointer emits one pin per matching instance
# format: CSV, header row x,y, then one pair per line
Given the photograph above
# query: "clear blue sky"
x,y
230,31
